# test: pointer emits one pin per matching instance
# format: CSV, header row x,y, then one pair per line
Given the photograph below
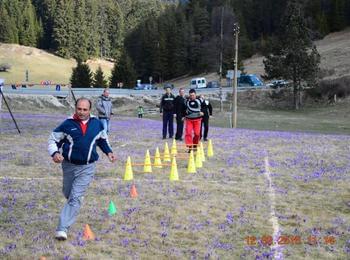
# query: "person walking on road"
x,y
73,144
180,112
104,108
167,111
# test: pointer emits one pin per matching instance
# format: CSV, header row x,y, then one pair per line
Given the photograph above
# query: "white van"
x,y
198,83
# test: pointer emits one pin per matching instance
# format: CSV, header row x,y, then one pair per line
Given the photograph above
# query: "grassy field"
x,y
259,184
320,119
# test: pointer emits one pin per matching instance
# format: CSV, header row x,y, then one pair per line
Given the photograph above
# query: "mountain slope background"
x,y
42,65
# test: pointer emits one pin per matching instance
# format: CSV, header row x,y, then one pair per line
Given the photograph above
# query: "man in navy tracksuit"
x,y
167,110
77,138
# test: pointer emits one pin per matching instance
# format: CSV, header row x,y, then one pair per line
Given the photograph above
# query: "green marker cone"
x,y
111,209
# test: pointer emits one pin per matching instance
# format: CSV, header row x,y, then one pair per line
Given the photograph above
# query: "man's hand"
x,y
201,113
174,115
112,157
57,158
161,114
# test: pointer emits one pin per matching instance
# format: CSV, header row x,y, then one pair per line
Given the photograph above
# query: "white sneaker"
x,y
61,235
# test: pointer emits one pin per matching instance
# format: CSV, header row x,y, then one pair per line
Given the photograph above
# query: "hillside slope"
x,y
335,56
40,64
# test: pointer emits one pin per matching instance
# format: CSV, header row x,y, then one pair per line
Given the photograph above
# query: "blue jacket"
x,y
76,147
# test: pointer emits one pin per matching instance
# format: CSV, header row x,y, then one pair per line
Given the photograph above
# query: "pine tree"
x,y
99,79
28,25
337,17
6,27
81,76
63,28
123,72
294,58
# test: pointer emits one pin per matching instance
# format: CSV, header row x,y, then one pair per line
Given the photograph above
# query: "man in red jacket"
x,y
193,120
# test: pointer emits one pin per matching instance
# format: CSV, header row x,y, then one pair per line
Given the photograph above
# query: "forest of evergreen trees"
x,y
163,39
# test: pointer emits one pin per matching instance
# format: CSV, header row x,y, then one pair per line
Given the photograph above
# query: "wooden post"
x,y
234,91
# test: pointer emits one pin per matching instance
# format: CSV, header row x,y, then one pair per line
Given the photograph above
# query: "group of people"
x,y
73,143
193,111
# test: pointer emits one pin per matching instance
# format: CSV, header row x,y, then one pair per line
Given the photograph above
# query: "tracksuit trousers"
x,y
76,180
192,126
168,124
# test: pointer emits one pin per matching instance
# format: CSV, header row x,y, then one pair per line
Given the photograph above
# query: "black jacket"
x,y
167,103
180,106
207,109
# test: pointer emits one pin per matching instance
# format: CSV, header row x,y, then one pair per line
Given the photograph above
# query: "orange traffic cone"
x,y
88,234
133,191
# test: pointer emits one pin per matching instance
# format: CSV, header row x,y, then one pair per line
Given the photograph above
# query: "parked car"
x,y
168,85
213,84
250,80
145,87
278,84
198,83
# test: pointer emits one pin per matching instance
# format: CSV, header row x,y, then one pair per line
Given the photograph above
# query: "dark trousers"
x,y
139,115
168,124
179,127
205,124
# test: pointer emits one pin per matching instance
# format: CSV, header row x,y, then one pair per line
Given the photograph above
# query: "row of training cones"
x,y
193,163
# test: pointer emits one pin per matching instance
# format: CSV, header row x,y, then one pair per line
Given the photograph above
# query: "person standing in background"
x,y
180,112
140,112
207,110
104,109
167,112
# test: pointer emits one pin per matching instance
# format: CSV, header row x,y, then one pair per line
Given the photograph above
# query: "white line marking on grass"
x,y
276,229
118,179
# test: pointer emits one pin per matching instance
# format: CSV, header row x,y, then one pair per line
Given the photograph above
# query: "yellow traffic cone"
x,y
157,160
191,167
147,167
173,148
128,170
210,149
166,155
199,162
174,175
202,151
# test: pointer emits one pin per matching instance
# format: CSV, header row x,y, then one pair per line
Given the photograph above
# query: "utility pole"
x,y
234,92
221,49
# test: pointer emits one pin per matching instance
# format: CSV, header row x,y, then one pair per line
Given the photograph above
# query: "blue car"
x,y
250,80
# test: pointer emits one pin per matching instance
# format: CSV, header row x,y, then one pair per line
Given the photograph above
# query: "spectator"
x,y
104,108
180,112
167,111
207,110
140,112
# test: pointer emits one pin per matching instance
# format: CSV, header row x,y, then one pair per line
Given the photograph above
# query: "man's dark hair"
x,y
192,91
81,99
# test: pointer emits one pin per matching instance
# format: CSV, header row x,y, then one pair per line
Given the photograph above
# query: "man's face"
x,y
181,92
106,93
192,96
168,90
83,110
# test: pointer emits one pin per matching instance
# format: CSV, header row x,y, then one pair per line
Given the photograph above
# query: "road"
x,y
96,92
